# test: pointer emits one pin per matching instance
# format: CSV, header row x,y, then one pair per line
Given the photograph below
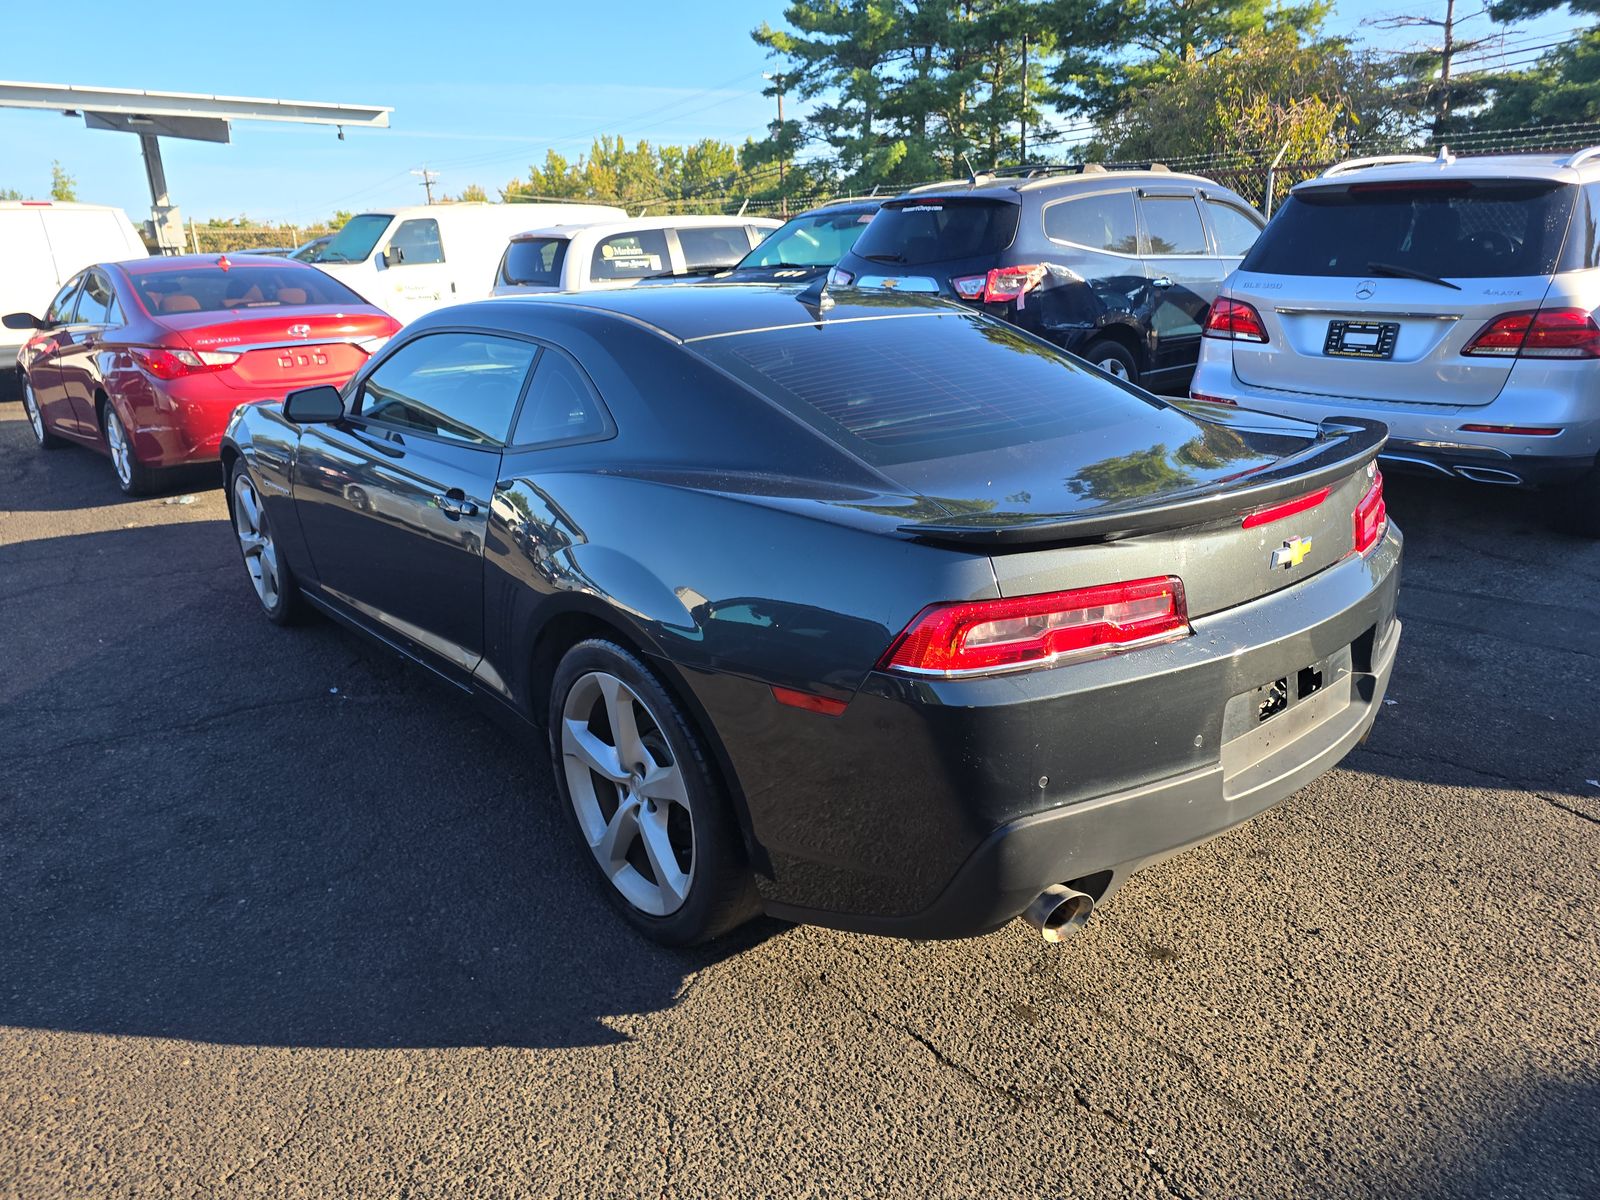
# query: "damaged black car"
x,y
1118,266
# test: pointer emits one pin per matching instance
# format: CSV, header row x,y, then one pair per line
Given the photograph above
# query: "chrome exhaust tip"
x,y
1058,912
1489,475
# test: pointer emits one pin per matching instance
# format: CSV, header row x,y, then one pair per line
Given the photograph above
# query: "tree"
x,y
472,194
1269,91
1563,87
1121,50
337,221
10,194
63,187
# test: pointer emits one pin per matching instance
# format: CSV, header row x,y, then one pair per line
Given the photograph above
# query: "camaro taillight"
x,y
1016,633
1538,333
1235,320
1371,516
174,364
1001,285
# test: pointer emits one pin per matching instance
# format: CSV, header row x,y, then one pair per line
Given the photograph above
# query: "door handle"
x,y
1161,281
454,503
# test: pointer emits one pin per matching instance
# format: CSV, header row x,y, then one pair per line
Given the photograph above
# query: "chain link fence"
x,y
219,239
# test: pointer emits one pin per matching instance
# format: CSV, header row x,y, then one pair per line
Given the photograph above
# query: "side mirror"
x,y
393,256
314,405
23,321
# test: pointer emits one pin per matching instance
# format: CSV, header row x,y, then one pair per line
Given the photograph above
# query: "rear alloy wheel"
x,y
644,800
270,576
133,477
41,434
1112,358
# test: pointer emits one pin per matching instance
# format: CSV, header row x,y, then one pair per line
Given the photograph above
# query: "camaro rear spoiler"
x,y
1342,445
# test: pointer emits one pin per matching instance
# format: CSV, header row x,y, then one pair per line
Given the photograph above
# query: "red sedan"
x,y
146,361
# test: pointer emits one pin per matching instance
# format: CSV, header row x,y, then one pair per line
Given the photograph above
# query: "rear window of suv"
x,y
533,261
1452,229
905,388
938,229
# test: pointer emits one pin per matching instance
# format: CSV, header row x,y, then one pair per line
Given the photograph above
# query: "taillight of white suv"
x,y
1538,333
1235,321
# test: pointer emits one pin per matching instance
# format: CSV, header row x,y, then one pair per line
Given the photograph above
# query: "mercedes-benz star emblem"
x,y
1364,289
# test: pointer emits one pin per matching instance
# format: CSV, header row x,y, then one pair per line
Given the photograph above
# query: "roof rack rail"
x,y
1377,160
1582,156
1033,170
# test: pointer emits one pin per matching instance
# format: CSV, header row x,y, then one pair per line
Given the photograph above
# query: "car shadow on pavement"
x,y
215,829
75,476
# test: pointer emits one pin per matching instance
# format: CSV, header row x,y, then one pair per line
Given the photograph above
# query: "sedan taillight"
x,y
166,363
1538,333
984,637
1371,517
1235,320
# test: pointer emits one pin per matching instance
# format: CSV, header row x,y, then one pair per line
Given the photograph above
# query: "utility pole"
x,y
1449,49
429,178
778,82
1022,157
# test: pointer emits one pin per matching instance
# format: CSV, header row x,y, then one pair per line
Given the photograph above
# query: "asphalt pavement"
x,y
281,916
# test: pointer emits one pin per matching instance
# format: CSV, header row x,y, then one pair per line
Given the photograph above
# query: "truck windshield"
x,y
355,240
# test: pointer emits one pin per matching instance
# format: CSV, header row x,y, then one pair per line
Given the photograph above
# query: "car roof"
x,y
1404,168
601,228
856,205
236,262
687,312
1010,188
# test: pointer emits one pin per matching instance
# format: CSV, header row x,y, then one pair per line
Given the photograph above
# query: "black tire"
x,y
1113,358
720,895
132,476
283,605
42,436
1575,508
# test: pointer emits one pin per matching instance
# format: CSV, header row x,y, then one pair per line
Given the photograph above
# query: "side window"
x,y
418,242
713,246
1100,222
460,386
1173,225
1235,230
631,256
96,301
1588,234
60,310
561,406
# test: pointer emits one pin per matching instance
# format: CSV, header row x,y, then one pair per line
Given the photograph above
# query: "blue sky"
x,y
479,91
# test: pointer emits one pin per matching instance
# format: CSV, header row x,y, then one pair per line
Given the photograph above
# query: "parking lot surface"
x,y
281,916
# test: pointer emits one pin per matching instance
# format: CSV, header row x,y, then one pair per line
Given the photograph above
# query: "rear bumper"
x,y
1100,842
1430,438
941,808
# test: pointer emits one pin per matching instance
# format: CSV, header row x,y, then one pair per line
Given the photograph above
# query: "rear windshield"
x,y
212,289
815,240
534,261
902,389
706,246
1449,229
939,229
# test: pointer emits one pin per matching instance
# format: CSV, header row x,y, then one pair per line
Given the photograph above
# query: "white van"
x,y
44,243
409,261
613,254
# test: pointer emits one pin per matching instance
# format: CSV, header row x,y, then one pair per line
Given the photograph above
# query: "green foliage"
x,y
696,178
472,194
63,187
337,221
1563,87
10,194
1270,90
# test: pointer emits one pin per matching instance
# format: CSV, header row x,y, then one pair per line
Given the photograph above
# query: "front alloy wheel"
x,y
269,574
41,434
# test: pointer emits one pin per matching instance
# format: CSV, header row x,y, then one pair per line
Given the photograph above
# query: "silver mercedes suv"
x,y
1452,298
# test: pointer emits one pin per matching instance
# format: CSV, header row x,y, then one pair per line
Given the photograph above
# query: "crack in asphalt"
x,y
1521,785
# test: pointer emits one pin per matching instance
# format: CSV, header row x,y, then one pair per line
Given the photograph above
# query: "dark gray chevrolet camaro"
x,y
860,609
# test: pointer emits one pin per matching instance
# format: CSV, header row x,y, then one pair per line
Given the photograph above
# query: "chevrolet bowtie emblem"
x,y
1292,553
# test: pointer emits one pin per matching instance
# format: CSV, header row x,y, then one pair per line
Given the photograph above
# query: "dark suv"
x,y
1117,266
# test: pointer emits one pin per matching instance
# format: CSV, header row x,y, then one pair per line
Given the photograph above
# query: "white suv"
x,y
618,254
1452,299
